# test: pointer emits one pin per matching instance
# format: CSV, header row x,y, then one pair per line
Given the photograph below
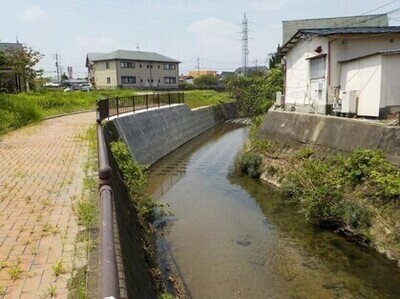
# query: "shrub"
x,y
250,164
135,179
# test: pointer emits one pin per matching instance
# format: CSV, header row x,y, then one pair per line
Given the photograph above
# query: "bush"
x,y
324,195
250,164
136,181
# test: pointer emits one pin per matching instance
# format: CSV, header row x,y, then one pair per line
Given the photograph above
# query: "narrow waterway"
x,y
233,237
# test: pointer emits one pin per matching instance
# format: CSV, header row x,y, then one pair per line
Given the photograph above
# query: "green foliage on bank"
x,y
249,163
136,181
200,98
343,189
255,93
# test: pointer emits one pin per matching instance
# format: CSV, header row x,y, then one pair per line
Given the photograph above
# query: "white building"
x,y
357,68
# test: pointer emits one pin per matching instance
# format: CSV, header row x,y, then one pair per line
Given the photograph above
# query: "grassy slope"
x,y
21,109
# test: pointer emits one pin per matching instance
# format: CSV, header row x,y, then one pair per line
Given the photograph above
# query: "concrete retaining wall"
x,y
152,135
331,132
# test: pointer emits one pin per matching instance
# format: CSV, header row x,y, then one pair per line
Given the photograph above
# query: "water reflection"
x,y
233,237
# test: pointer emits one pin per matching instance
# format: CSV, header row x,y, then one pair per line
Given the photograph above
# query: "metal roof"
x,y
383,53
303,33
131,55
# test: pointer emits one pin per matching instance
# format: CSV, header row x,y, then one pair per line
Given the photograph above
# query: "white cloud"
x,y
214,26
33,13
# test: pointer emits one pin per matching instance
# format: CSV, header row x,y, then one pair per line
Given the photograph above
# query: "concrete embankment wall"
x,y
152,135
340,134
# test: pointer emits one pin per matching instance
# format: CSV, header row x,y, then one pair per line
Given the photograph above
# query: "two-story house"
x,y
132,69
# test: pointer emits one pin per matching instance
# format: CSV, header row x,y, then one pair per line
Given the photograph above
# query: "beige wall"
x,y
364,76
144,71
390,82
298,89
101,73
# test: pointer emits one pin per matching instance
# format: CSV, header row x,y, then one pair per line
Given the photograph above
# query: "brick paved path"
x,y
40,177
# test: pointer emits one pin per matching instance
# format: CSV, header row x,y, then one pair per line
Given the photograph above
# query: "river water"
x,y
234,237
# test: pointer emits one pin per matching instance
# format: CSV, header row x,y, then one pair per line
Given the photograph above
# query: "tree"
x,y
64,77
275,59
22,62
205,81
3,59
256,93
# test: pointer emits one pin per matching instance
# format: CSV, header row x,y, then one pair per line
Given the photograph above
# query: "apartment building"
x,y
132,69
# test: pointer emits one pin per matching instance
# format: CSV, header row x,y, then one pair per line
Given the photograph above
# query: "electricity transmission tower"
x,y
245,44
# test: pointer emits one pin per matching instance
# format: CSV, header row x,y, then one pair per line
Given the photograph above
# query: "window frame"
x,y
126,64
125,79
169,80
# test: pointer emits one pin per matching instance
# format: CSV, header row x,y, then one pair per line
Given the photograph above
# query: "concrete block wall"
x,y
152,135
331,132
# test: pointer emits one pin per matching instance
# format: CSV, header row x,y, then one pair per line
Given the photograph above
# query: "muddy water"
x,y
232,237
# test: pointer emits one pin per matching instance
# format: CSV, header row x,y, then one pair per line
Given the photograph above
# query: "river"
x,y
233,237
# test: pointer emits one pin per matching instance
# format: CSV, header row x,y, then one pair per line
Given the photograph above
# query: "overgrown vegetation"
x,y
249,163
256,93
199,98
87,211
356,193
135,179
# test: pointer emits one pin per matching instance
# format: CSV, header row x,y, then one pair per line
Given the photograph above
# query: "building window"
x,y
127,64
169,80
141,80
158,66
140,65
317,68
151,66
128,80
147,66
108,80
169,66
159,81
107,65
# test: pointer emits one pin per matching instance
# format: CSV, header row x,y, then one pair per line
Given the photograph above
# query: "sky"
x,y
180,29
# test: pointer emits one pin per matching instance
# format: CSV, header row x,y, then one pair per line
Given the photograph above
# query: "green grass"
x,y
18,110
199,98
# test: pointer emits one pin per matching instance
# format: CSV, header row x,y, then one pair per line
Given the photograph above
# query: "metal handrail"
x,y
115,106
108,277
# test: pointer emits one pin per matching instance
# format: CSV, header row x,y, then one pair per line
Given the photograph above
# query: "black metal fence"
x,y
119,105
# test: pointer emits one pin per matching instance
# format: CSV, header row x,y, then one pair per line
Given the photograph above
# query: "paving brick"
x,y
41,174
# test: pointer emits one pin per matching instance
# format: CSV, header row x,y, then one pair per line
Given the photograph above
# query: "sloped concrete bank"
x,y
150,136
334,133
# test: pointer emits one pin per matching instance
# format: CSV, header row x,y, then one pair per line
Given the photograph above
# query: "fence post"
x,y
147,101
158,97
133,103
117,102
169,98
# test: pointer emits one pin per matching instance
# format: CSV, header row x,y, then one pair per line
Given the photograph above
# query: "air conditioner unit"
x,y
349,101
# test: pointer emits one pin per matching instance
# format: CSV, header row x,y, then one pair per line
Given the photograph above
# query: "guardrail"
x,y
108,276
119,105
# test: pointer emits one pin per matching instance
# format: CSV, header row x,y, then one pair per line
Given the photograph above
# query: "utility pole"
x,y
245,44
198,66
58,66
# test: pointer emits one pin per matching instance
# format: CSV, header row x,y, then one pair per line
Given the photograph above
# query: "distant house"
x,y
349,70
132,69
9,81
251,69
